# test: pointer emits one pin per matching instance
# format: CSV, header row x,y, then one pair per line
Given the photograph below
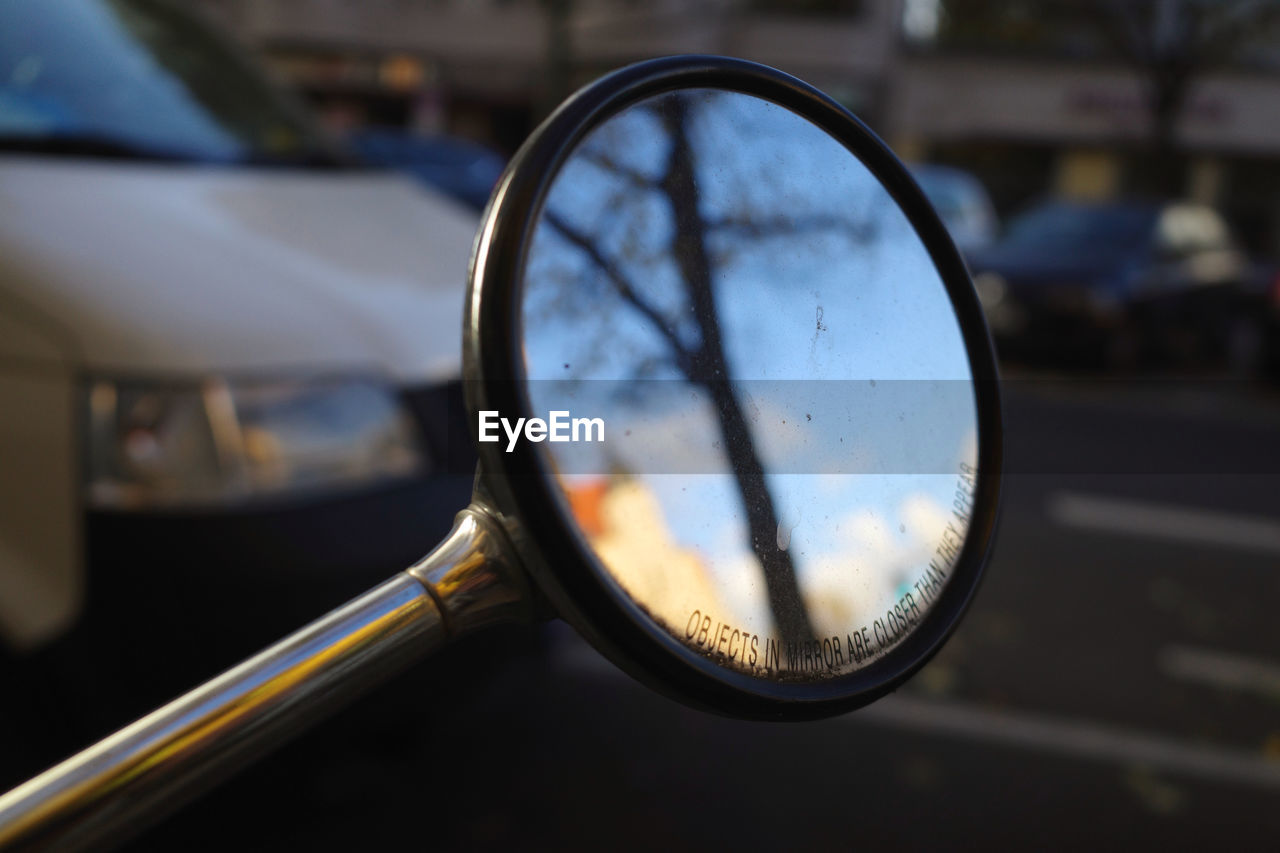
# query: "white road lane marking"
x,y
1164,521
1043,733
1073,739
1220,669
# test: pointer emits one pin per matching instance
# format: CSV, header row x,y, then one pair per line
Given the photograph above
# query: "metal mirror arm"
x,y
129,780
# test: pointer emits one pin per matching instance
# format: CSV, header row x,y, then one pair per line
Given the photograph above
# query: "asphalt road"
x,y
1116,686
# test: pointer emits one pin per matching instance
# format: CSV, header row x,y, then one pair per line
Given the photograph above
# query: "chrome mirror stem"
x,y
130,779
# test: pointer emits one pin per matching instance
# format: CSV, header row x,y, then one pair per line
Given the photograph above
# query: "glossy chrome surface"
x,y
118,786
473,575
789,451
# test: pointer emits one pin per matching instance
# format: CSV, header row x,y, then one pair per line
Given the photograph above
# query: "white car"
x,y
229,360
961,202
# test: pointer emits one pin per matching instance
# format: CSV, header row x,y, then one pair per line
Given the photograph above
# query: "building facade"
x,y
1031,102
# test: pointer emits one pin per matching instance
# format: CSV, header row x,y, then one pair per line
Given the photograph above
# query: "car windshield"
x,y
1062,228
140,78
948,195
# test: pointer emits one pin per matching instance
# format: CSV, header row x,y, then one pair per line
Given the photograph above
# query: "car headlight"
x,y
218,441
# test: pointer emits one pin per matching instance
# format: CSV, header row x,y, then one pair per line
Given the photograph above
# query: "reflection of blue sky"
x,y
578,317
879,295
862,471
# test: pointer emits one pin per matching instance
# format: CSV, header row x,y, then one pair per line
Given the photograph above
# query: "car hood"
x,y
145,268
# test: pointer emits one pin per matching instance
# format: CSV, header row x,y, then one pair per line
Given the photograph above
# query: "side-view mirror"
x,y
738,422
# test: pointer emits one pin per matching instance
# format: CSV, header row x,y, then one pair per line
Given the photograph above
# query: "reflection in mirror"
x,y
780,405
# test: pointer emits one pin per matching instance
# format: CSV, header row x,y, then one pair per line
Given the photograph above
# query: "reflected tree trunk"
x,y
705,364
708,367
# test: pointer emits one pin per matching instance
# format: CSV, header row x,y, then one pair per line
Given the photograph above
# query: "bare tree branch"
x,y
783,226
634,177
623,286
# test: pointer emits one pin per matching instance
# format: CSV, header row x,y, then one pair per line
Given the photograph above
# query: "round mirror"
x,y
742,393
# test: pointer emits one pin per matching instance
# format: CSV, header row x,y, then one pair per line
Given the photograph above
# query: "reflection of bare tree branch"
x,y
634,177
787,226
622,285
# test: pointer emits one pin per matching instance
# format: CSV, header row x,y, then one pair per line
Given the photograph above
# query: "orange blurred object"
x,y
586,501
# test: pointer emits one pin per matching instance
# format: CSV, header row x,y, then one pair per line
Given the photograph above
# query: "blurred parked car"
x,y
962,203
229,360
464,170
1268,297
1118,281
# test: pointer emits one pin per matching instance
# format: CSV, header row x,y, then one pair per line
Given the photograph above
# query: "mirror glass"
x,y
756,399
